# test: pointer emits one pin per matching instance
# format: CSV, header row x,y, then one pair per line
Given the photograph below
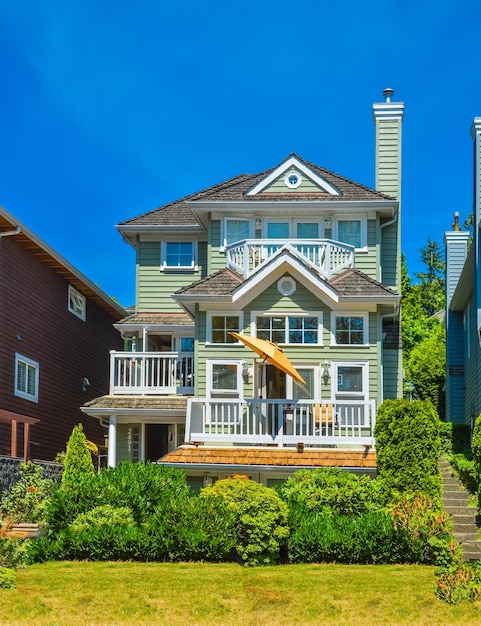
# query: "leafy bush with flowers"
x,y
25,502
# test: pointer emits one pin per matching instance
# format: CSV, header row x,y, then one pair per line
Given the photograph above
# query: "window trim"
x,y
339,395
351,218
227,393
19,358
223,234
74,294
365,330
286,315
208,322
179,268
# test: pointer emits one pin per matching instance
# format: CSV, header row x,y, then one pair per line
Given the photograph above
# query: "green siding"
x,y
388,157
155,287
278,185
301,300
217,258
368,262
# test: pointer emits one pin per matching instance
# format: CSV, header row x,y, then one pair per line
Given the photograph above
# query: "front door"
x,y
156,441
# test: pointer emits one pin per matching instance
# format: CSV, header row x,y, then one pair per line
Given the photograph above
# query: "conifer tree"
x,y
77,459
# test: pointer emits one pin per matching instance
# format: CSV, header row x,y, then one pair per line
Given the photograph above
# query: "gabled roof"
x,y
181,213
228,286
41,250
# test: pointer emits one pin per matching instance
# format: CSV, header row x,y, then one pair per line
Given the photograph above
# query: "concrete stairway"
x,y
465,520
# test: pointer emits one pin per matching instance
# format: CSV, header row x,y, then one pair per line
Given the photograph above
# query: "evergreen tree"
x,y
432,280
77,459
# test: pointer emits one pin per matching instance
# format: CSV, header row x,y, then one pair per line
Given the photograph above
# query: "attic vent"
x,y
286,286
292,179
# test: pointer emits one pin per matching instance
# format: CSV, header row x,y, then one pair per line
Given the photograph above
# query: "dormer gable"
x,y
293,176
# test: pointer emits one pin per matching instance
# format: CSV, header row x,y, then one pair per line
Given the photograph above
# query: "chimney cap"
x,y
388,93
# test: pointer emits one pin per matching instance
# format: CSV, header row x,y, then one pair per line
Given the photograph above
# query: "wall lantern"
x,y
326,372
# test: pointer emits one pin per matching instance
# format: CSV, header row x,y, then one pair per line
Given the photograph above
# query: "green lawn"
x,y
67,593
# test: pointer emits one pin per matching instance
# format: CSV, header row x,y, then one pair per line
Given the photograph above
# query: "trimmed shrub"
x,y
455,438
331,490
408,447
14,552
8,578
466,470
260,518
104,515
77,458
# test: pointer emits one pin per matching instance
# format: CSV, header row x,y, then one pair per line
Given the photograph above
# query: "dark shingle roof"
x,y
163,319
222,283
355,283
179,213
137,402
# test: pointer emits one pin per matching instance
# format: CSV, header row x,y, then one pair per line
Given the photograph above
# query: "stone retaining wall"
x,y
10,470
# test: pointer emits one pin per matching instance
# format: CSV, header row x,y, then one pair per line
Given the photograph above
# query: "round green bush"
x,y
260,517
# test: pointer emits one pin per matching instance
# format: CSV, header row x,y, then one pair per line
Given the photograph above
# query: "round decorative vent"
x,y
292,179
286,286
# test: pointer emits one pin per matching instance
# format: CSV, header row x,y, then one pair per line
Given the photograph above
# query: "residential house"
x,y
57,331
463,307
295,255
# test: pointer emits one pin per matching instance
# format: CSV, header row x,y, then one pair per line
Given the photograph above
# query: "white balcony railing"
x,y
324,255
155,373
281,422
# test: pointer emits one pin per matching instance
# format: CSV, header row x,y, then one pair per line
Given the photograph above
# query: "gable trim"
x,y
283,168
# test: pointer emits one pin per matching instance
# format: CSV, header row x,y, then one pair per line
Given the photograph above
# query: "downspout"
x,y
393,221
11,232
394,314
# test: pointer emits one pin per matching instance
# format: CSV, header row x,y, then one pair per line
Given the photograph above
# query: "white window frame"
x,y
347,395
320,228
211,314
227,393
290,383
77,303
365,329
180,268
223,235
276,220
351,218
29,363
287,314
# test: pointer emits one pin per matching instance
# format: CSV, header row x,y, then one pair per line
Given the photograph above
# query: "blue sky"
x,y
110,109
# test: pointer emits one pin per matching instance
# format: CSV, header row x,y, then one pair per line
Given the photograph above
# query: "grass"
x,y
70,594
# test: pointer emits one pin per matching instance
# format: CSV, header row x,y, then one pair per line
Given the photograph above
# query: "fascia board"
x,y
157,228
389,207
248,469
135,327
103,413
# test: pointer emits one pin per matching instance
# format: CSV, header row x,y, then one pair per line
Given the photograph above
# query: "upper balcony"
x,y
324,255
151,373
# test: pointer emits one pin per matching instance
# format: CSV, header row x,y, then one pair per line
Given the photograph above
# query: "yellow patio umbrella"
x,y
271,353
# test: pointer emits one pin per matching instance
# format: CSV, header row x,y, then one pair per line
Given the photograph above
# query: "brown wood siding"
x,y
36,324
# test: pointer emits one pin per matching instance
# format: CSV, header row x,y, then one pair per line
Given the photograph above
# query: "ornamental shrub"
x,y
77,458
25,502
260,518
8,578
104,515
329,489
408,447
459,582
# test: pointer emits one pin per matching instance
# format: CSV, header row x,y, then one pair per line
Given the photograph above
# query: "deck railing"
x,y
155,373
324,255
281,422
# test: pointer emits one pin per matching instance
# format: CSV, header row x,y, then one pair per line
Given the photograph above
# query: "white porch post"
x,y
111,455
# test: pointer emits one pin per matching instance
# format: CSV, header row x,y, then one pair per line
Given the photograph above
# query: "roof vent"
x,y
388,93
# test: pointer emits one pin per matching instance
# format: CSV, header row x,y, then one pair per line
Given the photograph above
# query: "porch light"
x,y
258,222
326,372
245,370
328,221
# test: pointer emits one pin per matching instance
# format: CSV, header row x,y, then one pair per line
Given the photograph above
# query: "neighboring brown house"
x,y
57,332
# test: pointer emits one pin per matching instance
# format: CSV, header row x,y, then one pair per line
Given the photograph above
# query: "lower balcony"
x,y
151,373
280,422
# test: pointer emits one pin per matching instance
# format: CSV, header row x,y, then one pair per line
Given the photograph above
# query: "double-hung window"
x,y
349,329
289,329
179,255
26,378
